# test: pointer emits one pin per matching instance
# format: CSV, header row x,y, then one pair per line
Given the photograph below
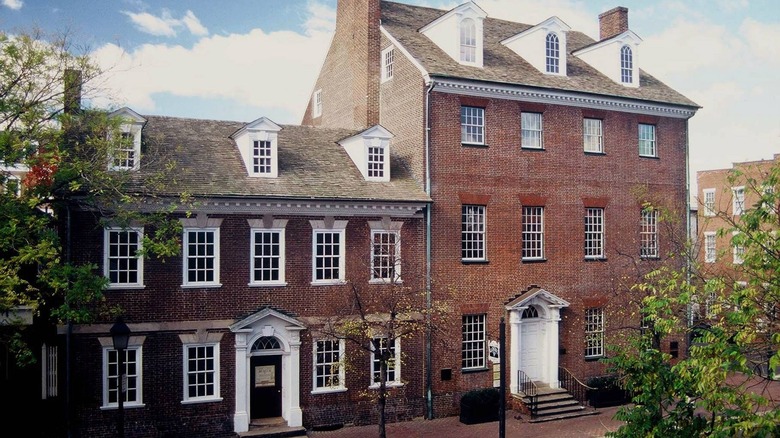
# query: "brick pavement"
x,y
451,427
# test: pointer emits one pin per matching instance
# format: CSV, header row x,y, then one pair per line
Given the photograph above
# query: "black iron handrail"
x,y
527,387
573,385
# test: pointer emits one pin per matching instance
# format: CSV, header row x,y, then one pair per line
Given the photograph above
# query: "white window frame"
x,y
709,202
134,380
738,200
626,65
531,130
474,341
648,234
263,157
594,332
278,226
552,53
647,140
376,162
592,135
737,251
339,229
317,366
594,233
123,151
710,246
472,125
316,104
12,183
768,191
467,29
388,62
49,367
393,366
390,261
186,257
139,231
473,231
213,373
533,233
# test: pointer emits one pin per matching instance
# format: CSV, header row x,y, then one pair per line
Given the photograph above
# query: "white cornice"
x,y
561,97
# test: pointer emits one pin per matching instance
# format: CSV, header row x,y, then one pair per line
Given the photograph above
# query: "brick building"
x,y
547,156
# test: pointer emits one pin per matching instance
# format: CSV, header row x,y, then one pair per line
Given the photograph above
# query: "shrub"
x,y
479,406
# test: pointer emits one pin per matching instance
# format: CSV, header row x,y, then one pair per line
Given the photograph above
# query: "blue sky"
x,y
243,59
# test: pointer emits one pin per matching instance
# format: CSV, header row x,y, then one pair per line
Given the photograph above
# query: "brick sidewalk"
x,y
451,427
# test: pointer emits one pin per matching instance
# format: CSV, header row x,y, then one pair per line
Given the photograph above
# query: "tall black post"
x,y
502,379
121,393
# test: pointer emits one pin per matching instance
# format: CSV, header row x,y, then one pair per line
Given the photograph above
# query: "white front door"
x,y
531,348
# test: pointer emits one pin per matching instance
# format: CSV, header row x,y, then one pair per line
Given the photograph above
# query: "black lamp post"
x,y
120,334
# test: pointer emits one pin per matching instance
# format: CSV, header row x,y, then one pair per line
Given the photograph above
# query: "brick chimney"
x,y
613,22
72,93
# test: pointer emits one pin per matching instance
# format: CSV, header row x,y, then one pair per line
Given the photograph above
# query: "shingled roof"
x,y
502,65
312,165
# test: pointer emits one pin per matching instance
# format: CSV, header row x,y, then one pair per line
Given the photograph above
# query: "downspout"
x,y
428,227
69,332
688,230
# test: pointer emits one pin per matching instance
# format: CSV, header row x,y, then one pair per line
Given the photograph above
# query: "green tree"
x,y
62,150
721,388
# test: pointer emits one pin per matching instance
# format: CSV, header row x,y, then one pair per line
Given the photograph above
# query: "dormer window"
x,y
552,53
257,143
124,148
468,41
370,151
626,65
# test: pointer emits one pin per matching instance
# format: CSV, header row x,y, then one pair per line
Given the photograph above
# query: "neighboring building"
x,y
540,149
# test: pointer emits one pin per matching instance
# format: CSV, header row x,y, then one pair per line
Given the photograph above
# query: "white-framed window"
x,y
647,141
533,233
738,200
385,252
594,233
472,125
125,151
328,252
328,367
201,257
552,53
376,162
393,376
316,102
626,65
12,184
709,247
201,372
738,251
709,202
592,135
133,369
769,202
122,264
474,342
468,40
648,234
49,366
388,59
261,156
473,233
594,332
531,130
267,257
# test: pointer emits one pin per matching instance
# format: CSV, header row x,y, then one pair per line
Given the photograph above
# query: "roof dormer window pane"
x,y
376,162
261,155
626,65
124,154
468,40
552,53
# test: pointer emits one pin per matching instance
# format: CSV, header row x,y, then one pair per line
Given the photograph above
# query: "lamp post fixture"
x,y
120,335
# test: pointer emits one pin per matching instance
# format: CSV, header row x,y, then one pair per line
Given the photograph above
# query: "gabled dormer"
x,y
258,143
370,151
616,54
125,143
459,33
543,46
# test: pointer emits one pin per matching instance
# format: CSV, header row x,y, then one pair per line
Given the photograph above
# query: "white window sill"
x,y
533,148
269,284
387,385
471,143
327,282
201,285
201,400
385,281
127,405
329,390
113,286
648,156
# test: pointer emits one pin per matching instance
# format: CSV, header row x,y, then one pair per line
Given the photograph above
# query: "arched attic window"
x,y
468,40
266,343
530,312
626,65
553,54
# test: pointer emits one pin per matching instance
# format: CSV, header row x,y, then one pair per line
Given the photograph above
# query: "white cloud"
x,y
762,39
165,24
13,4
322,18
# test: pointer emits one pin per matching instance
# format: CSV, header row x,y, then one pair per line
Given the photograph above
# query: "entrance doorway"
x,y
266,387
531,343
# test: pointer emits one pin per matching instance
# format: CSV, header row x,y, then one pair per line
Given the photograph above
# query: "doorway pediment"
x,y
536,294
264,316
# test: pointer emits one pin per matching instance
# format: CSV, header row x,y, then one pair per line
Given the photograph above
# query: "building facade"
x,y
548,157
